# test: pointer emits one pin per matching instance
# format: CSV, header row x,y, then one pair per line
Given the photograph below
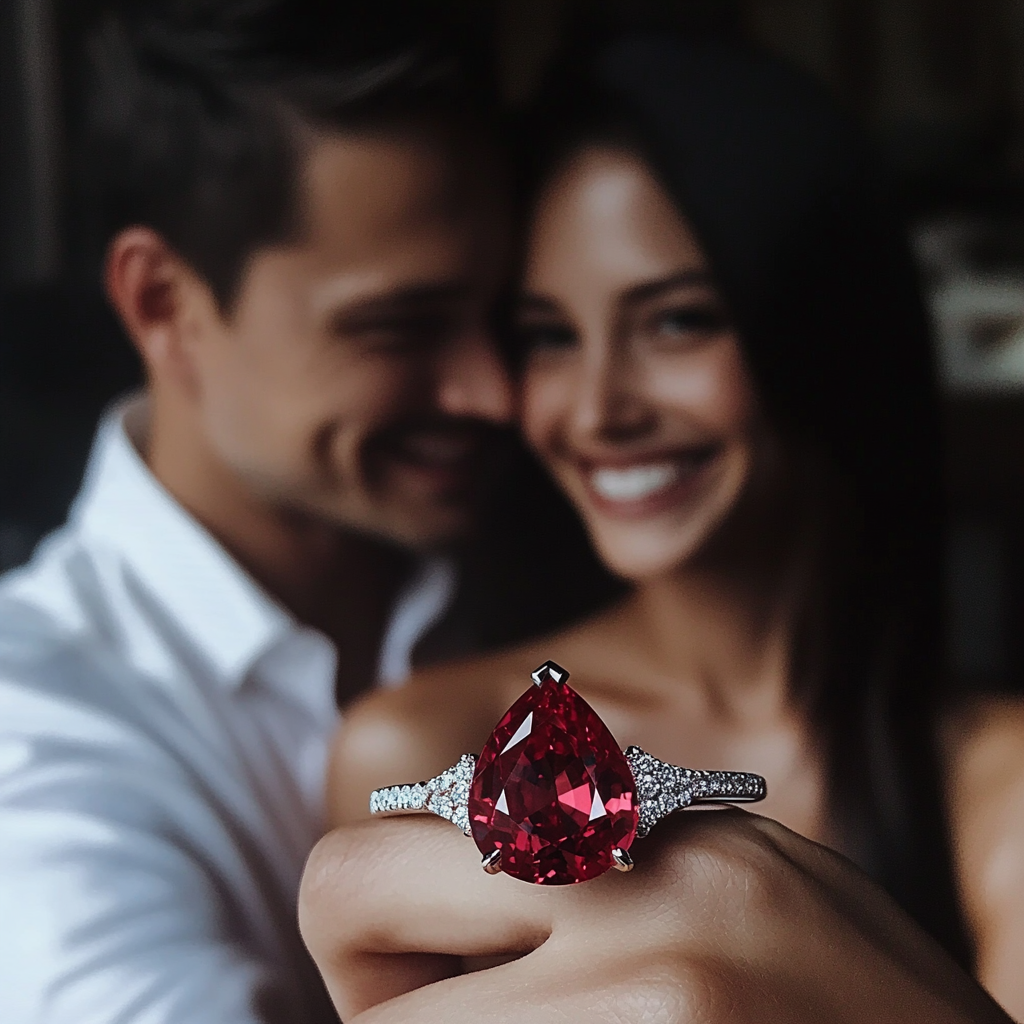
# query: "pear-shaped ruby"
x,y
552,790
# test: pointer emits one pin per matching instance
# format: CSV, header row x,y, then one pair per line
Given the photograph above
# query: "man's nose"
x,y
473,380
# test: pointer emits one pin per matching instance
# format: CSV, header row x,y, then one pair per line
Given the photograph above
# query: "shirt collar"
x,y
222,610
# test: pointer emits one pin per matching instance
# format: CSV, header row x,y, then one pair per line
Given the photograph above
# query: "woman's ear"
x,y
155,294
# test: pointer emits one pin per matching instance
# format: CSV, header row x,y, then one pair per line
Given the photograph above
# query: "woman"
x,y
725,367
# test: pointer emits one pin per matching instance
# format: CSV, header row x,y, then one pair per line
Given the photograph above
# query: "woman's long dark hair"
x,y
789,205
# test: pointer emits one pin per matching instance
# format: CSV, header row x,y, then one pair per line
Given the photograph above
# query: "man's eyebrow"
x,y
528,303
401,300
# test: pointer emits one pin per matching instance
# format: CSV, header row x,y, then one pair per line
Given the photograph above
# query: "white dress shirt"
x,y
164,727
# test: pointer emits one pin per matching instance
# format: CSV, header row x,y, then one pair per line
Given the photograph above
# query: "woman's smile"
x,y
636,393
646,485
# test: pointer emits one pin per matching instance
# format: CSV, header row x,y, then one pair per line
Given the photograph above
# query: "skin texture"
x,y
728,917
389,909
985,768
633,362
339,410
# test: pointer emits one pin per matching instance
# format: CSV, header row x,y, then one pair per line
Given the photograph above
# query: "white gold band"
x,y
446,795
661,790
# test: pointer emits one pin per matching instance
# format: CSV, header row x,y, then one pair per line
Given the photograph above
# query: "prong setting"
x,y
567,728
549,668
622,859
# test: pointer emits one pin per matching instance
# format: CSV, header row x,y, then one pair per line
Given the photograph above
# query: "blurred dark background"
x,y
939,84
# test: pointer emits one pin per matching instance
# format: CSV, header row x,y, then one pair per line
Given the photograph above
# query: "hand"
x,y
727,917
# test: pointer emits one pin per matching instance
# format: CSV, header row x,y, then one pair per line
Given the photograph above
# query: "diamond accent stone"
x,y
446,795
662,788
553,796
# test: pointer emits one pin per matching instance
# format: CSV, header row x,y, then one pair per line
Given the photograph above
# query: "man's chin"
x,y
414,526
431,533
415,530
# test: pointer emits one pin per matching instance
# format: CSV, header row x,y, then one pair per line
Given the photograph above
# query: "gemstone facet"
x,y
552,791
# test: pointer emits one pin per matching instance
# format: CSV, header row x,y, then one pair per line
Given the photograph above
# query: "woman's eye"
x,y
549,337
690,321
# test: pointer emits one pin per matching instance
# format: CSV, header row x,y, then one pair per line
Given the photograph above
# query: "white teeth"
x,y
634,483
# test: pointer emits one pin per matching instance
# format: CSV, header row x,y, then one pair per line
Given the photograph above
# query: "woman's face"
x,y
636,394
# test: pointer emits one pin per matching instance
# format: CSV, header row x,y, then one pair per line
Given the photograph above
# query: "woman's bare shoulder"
x,y
983,743
418,730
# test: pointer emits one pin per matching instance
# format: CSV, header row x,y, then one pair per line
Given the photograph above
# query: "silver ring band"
x,y
662,789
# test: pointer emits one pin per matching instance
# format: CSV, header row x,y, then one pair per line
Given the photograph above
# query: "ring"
x,y
552,799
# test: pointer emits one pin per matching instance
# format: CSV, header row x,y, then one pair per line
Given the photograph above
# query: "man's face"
x,y
356,378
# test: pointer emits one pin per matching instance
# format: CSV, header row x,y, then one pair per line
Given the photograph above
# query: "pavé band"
x,y
552,799
662,789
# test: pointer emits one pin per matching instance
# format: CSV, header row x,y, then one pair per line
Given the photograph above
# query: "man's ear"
x,y
156,295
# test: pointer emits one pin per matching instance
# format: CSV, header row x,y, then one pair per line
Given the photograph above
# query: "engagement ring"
x,y
552,799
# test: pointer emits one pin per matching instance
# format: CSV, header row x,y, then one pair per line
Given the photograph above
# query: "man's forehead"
x,y
395,217
374,183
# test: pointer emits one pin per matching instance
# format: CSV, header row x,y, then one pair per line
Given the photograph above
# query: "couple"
x,y
718,352
723,362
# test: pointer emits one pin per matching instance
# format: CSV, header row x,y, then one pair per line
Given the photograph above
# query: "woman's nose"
x,y
610,405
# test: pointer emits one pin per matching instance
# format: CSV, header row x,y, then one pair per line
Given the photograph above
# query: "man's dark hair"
x,y
199,109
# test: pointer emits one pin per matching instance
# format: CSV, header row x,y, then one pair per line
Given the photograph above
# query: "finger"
x,y
358,982
843,886
416,885
848,886
551,987
773,853
836,884
386,906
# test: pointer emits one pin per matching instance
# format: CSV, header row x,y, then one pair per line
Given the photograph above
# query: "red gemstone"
x,y
552,790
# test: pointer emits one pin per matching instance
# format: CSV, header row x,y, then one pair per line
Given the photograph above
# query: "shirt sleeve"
x,y
110,913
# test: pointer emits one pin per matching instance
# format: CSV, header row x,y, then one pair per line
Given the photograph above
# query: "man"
x,y
305,240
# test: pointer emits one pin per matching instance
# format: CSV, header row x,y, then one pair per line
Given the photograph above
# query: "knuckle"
x,y
327,867
321,867
775,836
674,990
337,871
723,851
724,858
352,866
323,882
658,1001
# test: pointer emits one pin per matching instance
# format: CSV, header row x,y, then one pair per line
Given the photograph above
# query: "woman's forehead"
x,y
604,212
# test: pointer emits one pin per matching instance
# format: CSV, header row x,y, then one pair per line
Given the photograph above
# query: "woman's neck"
x,y
733,645
726,621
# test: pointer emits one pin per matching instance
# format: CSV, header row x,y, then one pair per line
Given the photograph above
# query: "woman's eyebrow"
x,y
646,290
652,289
